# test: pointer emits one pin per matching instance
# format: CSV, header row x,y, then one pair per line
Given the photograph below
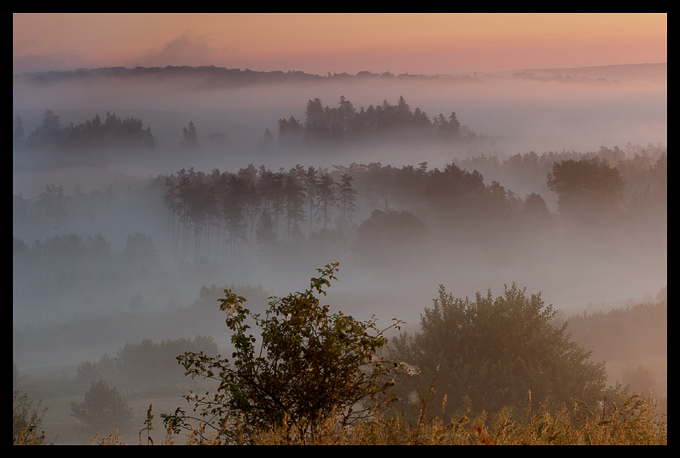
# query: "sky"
x,y
415,43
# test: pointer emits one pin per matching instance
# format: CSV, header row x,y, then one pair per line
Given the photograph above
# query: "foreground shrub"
x,y
491,351
27,418
310,367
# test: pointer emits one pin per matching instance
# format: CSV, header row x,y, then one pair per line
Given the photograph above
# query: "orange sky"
x,y
337,42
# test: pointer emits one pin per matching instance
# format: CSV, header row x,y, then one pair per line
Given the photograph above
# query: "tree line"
x,y
257,207
210,76
344,123
95,134
254,206
322,125
144,361
254,209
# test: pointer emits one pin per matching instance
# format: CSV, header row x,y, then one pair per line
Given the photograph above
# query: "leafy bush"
x,y
102,409
26,421
311,367
491,351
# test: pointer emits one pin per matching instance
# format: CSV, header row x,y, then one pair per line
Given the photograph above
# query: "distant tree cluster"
x,y
83,252
643,169
258,207
84,271
255,206
210,76
144,361
190,138
586,188
86,253
102,409
324,124
93,135
204,76
391,236
148,360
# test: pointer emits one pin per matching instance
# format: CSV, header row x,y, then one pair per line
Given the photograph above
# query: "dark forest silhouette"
x,y
322,126
344,123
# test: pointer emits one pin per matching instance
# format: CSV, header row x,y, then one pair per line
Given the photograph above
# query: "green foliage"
x,y
147,359
454,201
390,236
311,366
92,135
102,409
494,350
144,362
345,123
346,197
26,421
588,188
48,132
148,426
190,142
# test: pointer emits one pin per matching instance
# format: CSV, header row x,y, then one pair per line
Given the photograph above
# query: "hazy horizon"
x,y
321,43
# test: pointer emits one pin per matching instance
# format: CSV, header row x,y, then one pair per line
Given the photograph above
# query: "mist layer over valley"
x,y
114,245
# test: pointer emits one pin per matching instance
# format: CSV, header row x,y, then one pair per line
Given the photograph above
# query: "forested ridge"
x,y
222,211
208,76
260,215
344,123
322,126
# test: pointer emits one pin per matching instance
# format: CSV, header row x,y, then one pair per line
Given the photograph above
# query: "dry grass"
x,y
631,421
625,421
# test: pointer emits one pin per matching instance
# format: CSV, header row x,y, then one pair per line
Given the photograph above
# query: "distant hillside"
x,y
212,77
204,76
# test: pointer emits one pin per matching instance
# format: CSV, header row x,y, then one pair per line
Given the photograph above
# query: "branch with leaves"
x,y
311,365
